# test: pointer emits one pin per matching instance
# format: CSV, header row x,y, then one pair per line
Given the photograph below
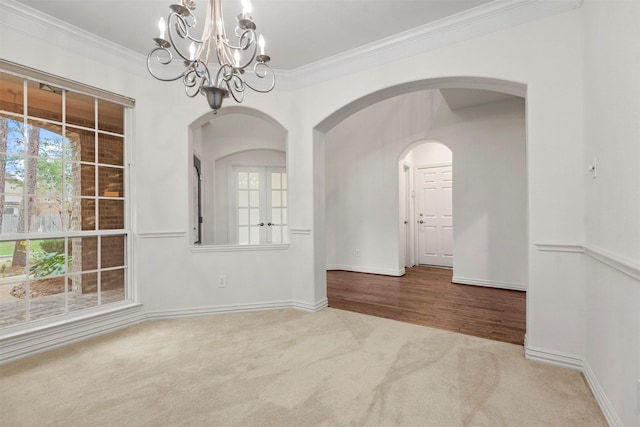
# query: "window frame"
x,y
129,295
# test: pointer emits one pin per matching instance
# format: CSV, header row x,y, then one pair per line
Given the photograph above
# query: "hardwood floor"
x,y
426,296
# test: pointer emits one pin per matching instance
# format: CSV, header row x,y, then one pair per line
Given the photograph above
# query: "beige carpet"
x,y
291,368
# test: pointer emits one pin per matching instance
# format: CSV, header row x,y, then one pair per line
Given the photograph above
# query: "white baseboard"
x,y
570,361
29,343
489,283
582,365
359,269
218,309
236,308
311,307
605,405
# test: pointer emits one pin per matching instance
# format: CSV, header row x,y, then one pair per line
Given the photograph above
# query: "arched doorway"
x,y
479,127
426,205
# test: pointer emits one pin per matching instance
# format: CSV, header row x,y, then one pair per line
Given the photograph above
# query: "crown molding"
x,y
479,21
484,19
34,23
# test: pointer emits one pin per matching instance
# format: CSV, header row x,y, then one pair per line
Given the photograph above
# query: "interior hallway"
x,y
426,296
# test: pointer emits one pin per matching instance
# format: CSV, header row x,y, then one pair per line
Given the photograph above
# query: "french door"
x,y
260,205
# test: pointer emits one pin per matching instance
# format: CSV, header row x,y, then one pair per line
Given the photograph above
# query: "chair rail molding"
x,y
161,234
300,230
614,261
239,248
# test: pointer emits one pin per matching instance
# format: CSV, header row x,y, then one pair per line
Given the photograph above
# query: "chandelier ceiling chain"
x,y
177,43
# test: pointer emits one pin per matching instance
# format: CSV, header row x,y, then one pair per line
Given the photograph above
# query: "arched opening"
x,y
365,144
239,181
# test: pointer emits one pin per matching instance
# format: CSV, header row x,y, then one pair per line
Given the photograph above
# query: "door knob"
x,y
261,224
406,222
421,222
269,224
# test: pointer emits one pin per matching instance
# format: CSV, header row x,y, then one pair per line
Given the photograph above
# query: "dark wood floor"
x,y
426,296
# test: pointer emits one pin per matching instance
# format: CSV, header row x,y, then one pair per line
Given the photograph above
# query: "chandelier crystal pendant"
x,y
178,44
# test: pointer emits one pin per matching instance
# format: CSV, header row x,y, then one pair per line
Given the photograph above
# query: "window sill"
x,y
32,338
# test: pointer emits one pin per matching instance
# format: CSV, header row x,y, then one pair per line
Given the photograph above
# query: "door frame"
x,y
408,200
416,237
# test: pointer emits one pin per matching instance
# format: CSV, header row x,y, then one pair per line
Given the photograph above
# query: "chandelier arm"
x,y
246,41
231,79
196,76
236,89
182,31
266,73
165,61
238,83
224,74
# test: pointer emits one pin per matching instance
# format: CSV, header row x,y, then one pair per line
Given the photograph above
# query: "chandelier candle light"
x,y
193,52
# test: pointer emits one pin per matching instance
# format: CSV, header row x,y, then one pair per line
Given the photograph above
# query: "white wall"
x,y
611,64
489,198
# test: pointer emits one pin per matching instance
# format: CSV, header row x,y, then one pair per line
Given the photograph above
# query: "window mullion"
x,y
99,273
95,162
25,156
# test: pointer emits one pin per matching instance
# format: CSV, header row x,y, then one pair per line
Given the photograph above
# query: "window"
x,y
63,222
261,205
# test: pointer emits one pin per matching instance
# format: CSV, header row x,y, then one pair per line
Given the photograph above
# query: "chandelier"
x,y
177,44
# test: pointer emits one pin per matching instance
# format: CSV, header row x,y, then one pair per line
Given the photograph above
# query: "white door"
x,y
435,215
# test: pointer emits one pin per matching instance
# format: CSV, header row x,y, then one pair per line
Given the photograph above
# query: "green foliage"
x,y
48,264
52,245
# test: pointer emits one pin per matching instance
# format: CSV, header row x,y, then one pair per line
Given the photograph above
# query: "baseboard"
x,y
598,392
29,343
553,358
311,307
582,365
489,283
218,309
358,269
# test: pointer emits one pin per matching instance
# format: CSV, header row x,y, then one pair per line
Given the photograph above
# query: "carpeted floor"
x,y
291,368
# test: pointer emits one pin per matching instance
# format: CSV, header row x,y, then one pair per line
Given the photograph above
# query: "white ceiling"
x,y
298,32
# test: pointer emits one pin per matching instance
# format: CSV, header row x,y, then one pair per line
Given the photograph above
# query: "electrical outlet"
x,y
357,252
222,281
